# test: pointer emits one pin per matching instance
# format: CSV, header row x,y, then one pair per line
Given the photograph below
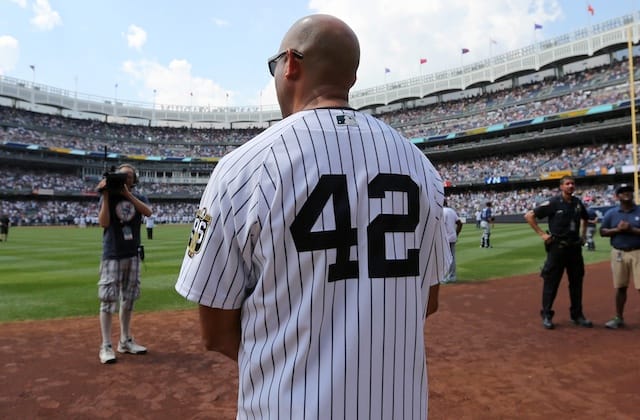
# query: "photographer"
x,y
120,216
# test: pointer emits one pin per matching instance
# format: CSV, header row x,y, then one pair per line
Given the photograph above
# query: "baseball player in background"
x,y
318,246
592,223
486,222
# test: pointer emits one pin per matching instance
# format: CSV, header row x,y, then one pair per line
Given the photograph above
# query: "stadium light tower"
x,y
632,95
115,99
153,110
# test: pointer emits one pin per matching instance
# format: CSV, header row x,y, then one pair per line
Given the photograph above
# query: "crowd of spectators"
x,y
18,179
597,86
542,97
592,158
602,85
84,213
20,126
81,213
519,201
22,179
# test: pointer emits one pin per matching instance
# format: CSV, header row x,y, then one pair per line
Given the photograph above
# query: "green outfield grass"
x,y
517,249
51,272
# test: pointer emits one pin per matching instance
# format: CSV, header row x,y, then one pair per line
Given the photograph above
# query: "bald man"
x,y
318,246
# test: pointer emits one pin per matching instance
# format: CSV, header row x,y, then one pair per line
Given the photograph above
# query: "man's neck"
x,y
626,205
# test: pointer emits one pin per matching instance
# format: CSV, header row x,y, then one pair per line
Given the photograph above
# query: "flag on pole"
x,y
32,67
465,50
423,60
590,9
537,26
493,41
386,70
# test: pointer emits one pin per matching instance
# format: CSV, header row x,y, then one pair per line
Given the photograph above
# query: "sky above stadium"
x,y
213,53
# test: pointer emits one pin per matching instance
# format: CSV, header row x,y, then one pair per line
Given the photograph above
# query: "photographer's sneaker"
x,y
130,346
107,356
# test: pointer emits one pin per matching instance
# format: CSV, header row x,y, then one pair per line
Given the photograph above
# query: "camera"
x,y
115,181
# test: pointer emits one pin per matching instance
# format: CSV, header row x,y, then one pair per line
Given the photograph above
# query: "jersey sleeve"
x,y
213,270
606,220
543,209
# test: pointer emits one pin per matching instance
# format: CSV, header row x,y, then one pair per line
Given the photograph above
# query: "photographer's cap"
x,y
624,188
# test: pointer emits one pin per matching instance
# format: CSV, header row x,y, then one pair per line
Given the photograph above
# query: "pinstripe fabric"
x,y
313,346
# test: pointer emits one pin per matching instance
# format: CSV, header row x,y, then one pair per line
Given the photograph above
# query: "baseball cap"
x,y
623,188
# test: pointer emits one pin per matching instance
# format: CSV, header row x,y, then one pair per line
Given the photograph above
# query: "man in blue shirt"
x,y
622,225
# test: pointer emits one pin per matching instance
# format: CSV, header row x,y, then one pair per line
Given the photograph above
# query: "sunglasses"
x,y
273,61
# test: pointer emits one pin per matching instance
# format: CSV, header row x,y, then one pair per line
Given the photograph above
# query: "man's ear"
x,y
293,66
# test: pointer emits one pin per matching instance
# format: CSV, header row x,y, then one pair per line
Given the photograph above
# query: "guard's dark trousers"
x,y
563,256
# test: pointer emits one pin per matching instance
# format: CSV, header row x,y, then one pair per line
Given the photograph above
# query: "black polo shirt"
x,y
564,217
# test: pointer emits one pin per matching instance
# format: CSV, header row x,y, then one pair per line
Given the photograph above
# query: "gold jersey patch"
x,y
198,231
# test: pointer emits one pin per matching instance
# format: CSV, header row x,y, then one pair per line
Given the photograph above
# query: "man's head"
x,y
624,188
316,64
132,175
488,204
567,185
624,192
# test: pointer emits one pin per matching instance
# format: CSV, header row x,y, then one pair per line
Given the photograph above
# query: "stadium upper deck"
x,y
547,56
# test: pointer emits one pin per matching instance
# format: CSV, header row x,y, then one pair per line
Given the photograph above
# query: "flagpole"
x,y
632,95
491,41
586,6
461,69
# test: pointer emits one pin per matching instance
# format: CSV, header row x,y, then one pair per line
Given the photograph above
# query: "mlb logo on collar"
x,y
346,120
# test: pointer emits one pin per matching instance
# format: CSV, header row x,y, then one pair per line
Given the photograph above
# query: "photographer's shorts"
x,y
625,266
119,281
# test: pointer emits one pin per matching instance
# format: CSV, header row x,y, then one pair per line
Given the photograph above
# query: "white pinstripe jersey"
x,y
326,231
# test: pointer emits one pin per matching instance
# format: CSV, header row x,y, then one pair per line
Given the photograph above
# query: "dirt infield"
x,y
488,356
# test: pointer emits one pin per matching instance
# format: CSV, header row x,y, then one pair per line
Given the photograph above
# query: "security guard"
x,y
563,244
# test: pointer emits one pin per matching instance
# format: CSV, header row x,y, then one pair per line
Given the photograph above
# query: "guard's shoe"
x,y
546,322
614,323
107,356
130,346
582,322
